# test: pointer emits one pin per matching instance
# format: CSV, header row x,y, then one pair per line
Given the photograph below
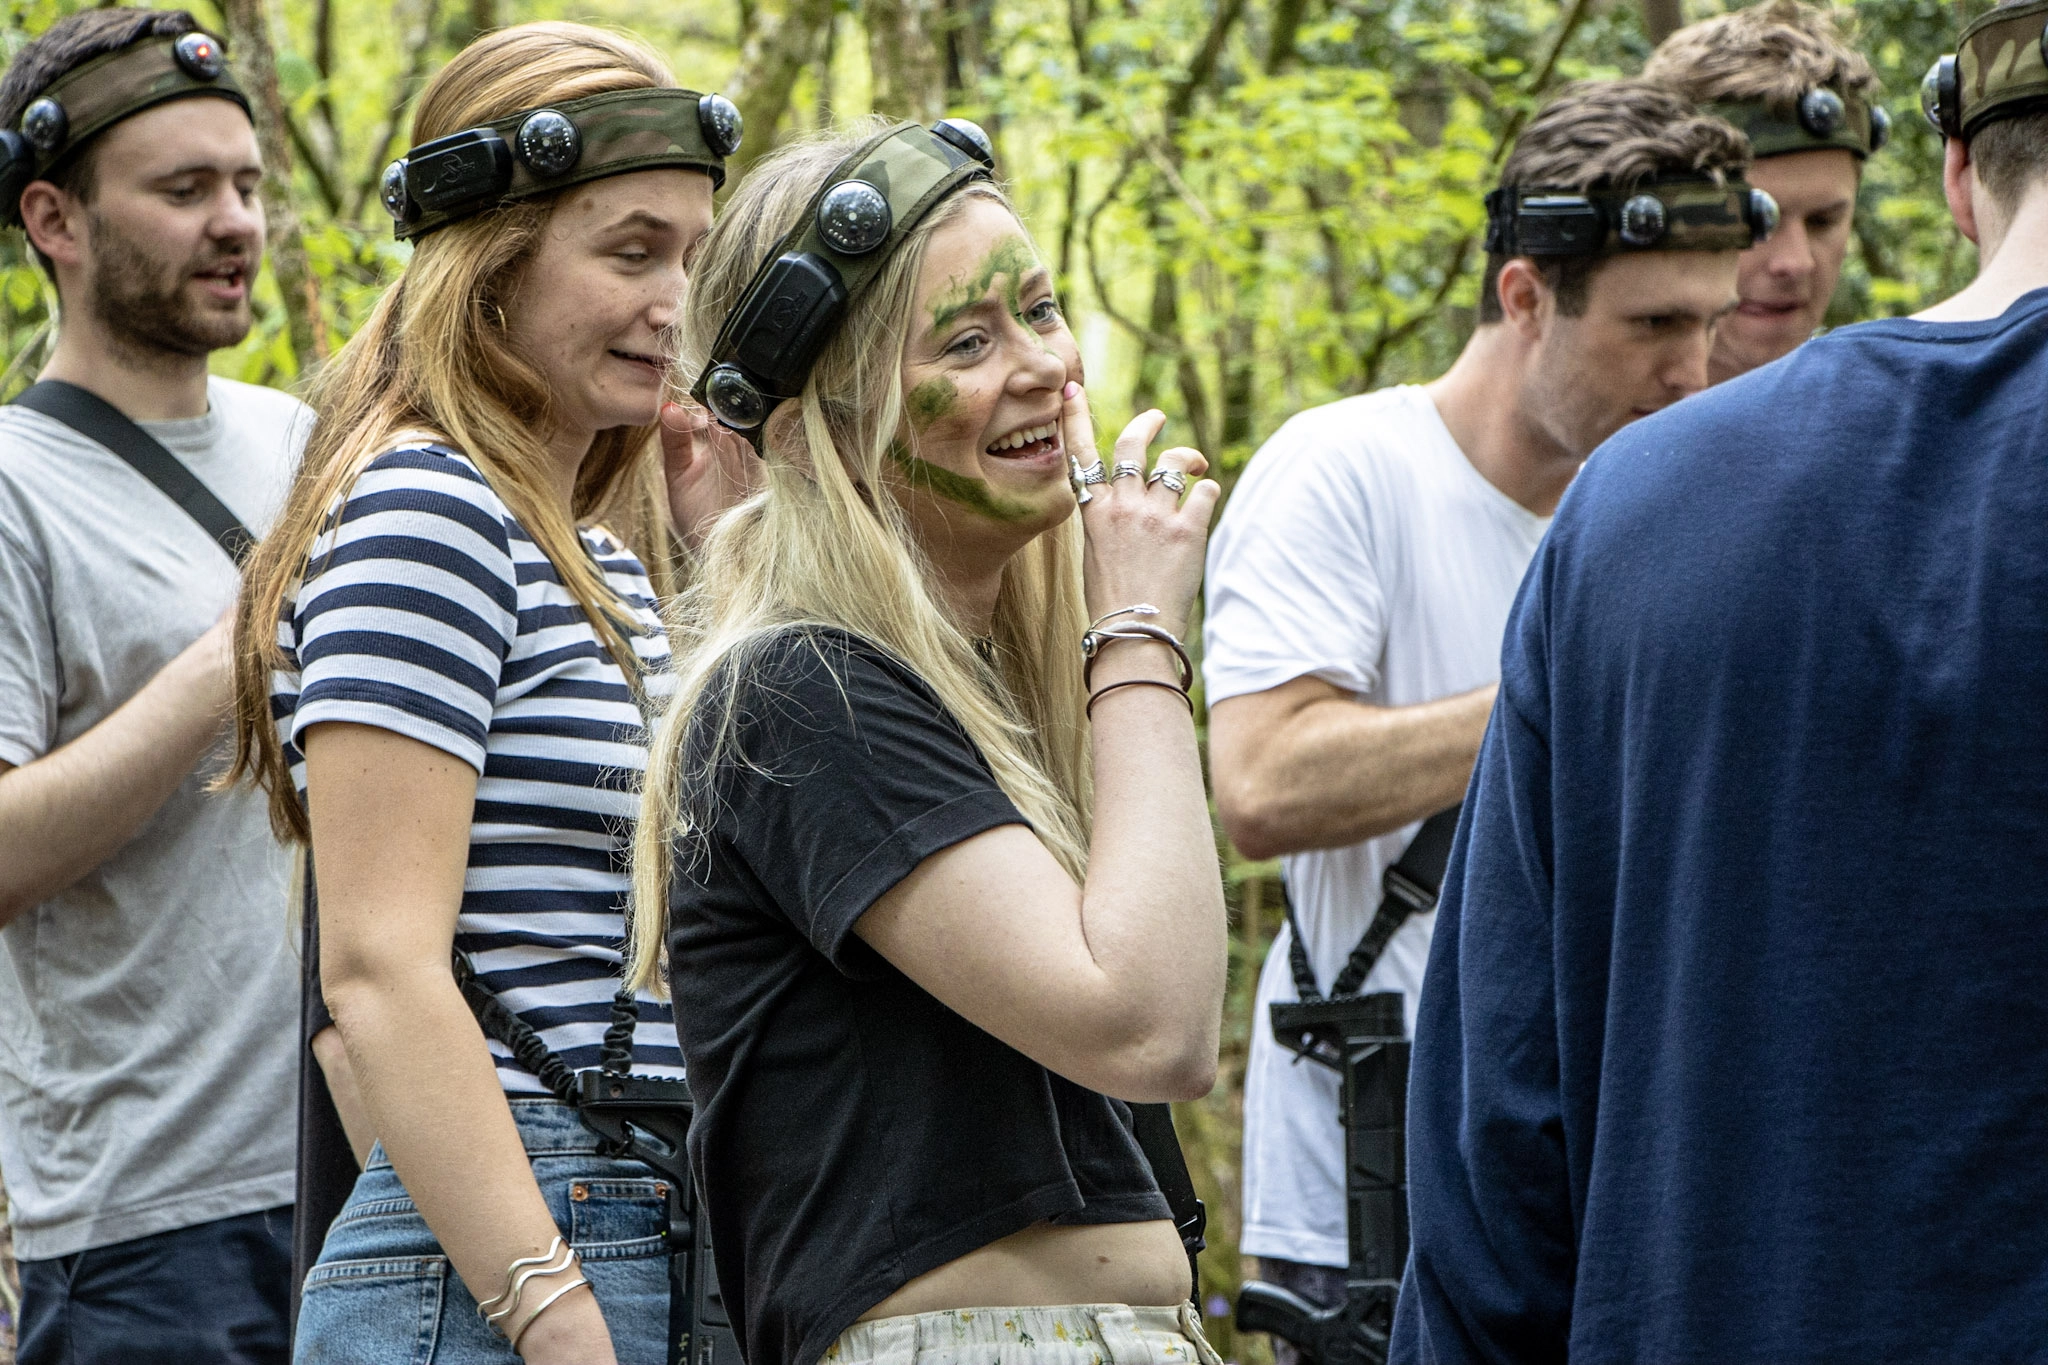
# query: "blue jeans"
x,y
383,1293
212,1294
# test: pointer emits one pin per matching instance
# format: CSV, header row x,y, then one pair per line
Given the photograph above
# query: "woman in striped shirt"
x,y
444,672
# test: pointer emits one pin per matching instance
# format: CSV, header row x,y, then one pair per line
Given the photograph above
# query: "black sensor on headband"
x,y
798,297
1680,214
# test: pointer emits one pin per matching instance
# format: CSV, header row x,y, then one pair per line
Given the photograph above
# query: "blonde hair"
x,y
825,543
434,357
1774,53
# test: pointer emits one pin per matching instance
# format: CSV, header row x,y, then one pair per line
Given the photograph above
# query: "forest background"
x,y
1251,206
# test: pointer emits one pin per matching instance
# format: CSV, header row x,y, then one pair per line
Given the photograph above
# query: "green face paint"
x,y
930,401
973,494
1011,259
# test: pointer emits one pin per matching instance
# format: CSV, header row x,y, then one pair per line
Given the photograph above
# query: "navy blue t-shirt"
x,y
1734,1038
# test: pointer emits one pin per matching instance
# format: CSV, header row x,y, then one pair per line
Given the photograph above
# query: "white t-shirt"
x,y
1360,547
149,1013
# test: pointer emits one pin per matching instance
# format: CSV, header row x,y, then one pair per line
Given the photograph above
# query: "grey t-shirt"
x,y
148,1014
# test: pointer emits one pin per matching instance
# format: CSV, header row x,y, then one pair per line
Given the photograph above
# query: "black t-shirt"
x,y
852,1132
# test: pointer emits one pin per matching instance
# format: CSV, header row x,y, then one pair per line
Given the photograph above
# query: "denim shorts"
x,y
383,1293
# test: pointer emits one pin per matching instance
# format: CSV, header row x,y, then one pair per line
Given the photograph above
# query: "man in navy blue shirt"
x,y
1734,1037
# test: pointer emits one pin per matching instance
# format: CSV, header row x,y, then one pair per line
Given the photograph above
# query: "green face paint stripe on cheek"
x,y
973,494
1011,258
930,401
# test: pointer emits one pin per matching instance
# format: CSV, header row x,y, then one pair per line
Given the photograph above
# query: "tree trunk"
x,y
775,49
1662,18
906,52
256,68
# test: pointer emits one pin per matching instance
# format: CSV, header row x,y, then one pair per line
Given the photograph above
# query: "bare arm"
x,y
391,821
1304,765
1117,984
332,1054
76,806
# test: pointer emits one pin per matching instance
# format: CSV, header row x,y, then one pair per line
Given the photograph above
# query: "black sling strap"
x,y
1152,1124
1407,888
96,419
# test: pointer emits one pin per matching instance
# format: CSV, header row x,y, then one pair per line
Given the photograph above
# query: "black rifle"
x,y
647,1118
1364,1039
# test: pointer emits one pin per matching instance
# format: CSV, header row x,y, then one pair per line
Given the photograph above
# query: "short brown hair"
x,y
1771,53
65,46
1601,135
2012,153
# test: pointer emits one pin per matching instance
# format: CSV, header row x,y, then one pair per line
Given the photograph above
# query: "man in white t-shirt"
x,y
149,988
1362,573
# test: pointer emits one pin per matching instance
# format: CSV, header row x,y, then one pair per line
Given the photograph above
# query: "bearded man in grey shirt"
x,y
149,993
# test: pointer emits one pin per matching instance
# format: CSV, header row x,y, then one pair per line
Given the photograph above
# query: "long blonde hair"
x,y
825,543
434,356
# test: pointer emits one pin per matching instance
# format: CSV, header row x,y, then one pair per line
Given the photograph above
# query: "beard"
x,y
141,297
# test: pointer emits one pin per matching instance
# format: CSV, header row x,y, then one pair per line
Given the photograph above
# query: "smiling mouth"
x,y
654,363
1028,443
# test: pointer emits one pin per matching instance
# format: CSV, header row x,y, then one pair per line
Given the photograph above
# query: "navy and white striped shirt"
x,y
429,611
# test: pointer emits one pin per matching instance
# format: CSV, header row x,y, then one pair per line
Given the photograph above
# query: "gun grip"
x,y
1268,1308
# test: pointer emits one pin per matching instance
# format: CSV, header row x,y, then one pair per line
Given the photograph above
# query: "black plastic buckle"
x,y
1419,899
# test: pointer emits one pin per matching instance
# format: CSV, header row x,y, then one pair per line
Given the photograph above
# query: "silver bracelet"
x,y
545,1304
534,1266
1140,609
513,1280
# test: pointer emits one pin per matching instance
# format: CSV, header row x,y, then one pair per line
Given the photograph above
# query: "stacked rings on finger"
x,y
1126,469
1175,481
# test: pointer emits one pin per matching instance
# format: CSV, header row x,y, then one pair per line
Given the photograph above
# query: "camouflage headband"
x,y
852,226
540,151
1668,215
92,98
2000,68
1822,120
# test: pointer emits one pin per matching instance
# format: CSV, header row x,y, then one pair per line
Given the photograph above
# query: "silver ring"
x,y
1172,478
1125,469
1094,473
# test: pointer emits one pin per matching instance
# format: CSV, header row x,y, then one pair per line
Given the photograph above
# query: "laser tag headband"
x,y
1687,214
852,226
1822,120
540,151
92,98
1999,68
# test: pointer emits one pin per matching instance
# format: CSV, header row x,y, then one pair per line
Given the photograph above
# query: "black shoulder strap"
x,y
1407,888
1153,1126
96,419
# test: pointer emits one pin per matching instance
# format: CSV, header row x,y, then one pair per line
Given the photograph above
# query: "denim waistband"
x,y
546,1127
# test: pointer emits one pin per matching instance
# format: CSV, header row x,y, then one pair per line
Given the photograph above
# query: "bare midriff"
x,y
1133,1263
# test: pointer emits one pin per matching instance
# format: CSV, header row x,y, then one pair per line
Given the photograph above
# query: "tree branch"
x,y
379,154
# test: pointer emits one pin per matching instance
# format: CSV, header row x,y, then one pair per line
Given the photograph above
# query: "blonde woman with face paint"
x,y
936,923
444,669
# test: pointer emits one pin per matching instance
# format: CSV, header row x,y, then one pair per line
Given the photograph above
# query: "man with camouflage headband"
x,y
1781,72
148,992
1366,562
1730,1045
